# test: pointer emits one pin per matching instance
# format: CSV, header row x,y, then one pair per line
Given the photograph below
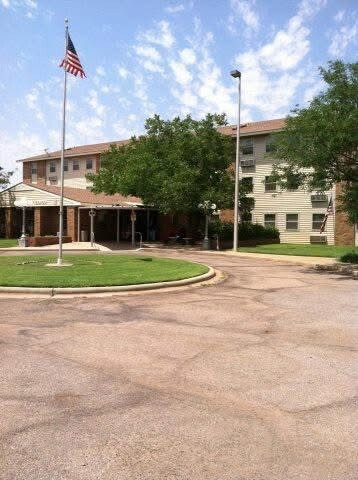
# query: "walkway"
x,y
253,378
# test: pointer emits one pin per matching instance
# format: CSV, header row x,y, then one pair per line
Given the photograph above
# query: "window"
x,y
270,184
270,144
65,165
247,146
52,167
89,163
270,219
247,183
75,165
292,221
34,168
317,219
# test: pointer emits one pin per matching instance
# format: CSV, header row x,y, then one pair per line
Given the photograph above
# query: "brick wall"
x,y
26,172
343,230
45,221
72,214
41,172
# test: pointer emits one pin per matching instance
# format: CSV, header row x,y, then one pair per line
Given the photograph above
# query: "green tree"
x,y
175,166
318,147
4,178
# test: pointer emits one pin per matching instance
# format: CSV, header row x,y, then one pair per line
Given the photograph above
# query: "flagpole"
x,y
59,259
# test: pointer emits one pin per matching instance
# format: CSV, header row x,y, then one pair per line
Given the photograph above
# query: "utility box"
x,y
84,236
23,242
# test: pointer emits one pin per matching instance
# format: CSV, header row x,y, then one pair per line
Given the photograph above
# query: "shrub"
x,y
247,231
350,257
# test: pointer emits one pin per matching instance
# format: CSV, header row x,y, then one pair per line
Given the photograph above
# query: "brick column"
x,y
38,222
9,218
343,230
72,215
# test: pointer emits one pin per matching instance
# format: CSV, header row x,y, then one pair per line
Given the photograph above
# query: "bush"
x,y
247,231
350,257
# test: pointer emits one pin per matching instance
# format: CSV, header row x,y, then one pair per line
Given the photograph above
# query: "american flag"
x,y
329,212
71,62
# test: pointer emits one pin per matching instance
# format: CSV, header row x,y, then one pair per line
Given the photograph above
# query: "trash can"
x,y
84,236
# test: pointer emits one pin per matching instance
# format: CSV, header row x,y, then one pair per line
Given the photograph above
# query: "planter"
x,y
49,240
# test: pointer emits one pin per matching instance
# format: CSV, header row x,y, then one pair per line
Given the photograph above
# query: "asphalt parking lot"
x,y
253,378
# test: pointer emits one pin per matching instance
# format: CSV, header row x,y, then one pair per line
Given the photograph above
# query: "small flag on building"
x,y
326,215
71,61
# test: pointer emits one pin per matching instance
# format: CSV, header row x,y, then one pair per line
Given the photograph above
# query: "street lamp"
x,y
237,74
208,208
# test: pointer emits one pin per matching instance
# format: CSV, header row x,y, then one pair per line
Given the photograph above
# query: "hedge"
x,y
247,231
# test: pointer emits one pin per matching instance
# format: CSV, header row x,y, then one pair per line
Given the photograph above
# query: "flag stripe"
x,y
329,211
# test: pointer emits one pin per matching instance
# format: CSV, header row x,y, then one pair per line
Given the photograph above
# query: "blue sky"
x,y
167,57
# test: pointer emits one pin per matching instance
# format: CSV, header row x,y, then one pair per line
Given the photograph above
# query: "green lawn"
x,y
301,250
93,270
8,242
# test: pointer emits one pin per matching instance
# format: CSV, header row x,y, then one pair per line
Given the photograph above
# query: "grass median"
x,y
94,270
300,250
8,242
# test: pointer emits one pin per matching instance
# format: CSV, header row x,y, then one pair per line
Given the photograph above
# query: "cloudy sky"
x,y
155,56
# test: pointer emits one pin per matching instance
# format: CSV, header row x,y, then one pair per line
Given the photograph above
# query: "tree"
x,y
175,166
318,147
4,178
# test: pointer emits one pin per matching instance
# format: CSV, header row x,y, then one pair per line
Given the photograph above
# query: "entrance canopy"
x,y
49,196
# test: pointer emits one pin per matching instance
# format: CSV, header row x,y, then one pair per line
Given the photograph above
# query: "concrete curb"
x,y
122,288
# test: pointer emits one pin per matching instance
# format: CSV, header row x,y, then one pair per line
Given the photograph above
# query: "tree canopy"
x,y
318,147
4,178
175,166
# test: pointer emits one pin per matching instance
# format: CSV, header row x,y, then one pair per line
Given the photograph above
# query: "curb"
x,y
122,288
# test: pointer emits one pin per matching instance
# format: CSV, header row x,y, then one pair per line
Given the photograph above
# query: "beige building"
x,y
297,214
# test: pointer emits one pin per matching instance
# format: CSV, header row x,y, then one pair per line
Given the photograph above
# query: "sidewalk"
x,y
282,258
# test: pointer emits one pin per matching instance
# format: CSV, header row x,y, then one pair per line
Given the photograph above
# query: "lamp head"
x,y
235,73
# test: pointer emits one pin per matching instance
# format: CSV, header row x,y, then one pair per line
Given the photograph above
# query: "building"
x,y
297,214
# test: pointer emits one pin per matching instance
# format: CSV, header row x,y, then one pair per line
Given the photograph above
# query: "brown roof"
x,y
245,129
76,151
84,196
254,127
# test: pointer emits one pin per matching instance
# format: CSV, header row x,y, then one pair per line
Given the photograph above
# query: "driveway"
x,y
253,378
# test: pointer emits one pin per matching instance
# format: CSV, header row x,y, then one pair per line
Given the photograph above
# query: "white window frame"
x,y
89,160
77,164
269,183
33,168
269,224
242,145
298,224
318,228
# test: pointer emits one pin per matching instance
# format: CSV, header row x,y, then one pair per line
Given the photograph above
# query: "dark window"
x,y
75,165
65,166
34,168
292,221
317,219
247,183
270,219
52,167
270,184
247,146
89,163
270,144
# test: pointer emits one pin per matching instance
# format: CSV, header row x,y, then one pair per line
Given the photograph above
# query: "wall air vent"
x,y
247,162
319,197
318,239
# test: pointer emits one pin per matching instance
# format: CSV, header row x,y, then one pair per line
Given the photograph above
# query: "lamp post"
x,y
237,74
208,208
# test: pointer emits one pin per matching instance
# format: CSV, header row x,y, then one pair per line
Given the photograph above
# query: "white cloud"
x,y
122,72
339,15
100,71
5,3
96,105
32,101
181,73
149,58
273,73
246,11
89,130
187,56
161,35
175,8
342,38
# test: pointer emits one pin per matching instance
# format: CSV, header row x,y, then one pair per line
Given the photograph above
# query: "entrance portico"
x,y
115,218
